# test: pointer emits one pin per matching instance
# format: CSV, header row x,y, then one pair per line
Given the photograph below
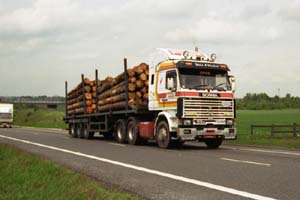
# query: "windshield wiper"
x,y
215,87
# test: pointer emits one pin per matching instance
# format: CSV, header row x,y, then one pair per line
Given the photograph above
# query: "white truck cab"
x,y
6,115
194,97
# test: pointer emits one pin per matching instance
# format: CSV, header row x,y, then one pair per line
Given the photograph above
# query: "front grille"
x,y
208,108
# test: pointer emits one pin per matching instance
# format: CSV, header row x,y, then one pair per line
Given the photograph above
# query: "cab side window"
x,y
171,75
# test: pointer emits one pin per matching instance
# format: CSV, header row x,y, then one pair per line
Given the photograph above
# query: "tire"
x,y
133,137
71,129
77,132
213,143
162,135
120,131
86,132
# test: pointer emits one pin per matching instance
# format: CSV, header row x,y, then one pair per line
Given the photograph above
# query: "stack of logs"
x,y
111,92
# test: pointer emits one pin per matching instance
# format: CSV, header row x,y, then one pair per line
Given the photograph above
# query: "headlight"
x,y
229,122
187,122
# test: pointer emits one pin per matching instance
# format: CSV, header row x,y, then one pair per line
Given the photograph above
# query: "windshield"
x,y
213,79
5,115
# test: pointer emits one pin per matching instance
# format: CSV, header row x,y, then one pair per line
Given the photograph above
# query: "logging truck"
x,y
180,96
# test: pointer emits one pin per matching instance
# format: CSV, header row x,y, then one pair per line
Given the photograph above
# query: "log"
x,y
119,78
145,96
146,83
138,70
88,102
86,81
144,90
147,72
93,106
131,87
138,94
131,95
132,104
132,79
139,84
89,109
112,99
87,88
105,86
94,94
143,76
88,96
144,66
130,72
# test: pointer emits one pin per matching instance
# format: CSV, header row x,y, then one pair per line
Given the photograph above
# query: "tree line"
x,y
261,101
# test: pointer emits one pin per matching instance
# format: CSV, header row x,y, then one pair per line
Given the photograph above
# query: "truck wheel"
x,y
213,143
120,131
86,132
133,131
163,137
71,129
77,131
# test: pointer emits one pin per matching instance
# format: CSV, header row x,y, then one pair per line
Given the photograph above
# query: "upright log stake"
x,y
66,93
97,90
126,83
83,91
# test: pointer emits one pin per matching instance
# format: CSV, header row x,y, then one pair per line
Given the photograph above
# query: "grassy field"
x,y
262,136
39,117
26,176
51,118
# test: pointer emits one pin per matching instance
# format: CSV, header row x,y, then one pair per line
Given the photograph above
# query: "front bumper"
x,y
191,133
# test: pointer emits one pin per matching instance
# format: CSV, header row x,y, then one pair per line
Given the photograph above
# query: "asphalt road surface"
x,y
193,172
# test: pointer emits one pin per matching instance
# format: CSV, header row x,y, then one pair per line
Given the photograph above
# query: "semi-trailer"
x,y
188,97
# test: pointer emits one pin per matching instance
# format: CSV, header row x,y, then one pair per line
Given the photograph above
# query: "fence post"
x,y
272,130
251,127
295,129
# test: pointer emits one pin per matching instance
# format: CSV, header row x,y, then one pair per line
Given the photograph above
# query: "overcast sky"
x,y
45,42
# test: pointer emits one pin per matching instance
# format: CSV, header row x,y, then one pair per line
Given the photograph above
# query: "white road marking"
x,y
44,129
151,171
267,151
246,161
116,144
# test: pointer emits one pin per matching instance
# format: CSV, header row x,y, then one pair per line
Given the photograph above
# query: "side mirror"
x,y
170,84
232,83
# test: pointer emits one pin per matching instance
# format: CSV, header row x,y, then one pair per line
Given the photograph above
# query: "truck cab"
x,y
194,97
6,115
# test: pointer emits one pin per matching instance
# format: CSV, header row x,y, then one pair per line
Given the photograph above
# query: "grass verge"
x,y
26,176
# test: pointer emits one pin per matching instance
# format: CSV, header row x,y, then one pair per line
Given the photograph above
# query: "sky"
x,y
44,43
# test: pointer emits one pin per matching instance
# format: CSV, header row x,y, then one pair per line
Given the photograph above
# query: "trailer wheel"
x,y
120,131
213,143
163,137
77,133
86,132
71,129
133,131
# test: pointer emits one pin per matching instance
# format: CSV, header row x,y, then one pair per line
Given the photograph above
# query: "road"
x,y
193,172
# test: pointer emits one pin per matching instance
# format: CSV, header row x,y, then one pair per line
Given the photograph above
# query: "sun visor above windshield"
x,y
200,65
